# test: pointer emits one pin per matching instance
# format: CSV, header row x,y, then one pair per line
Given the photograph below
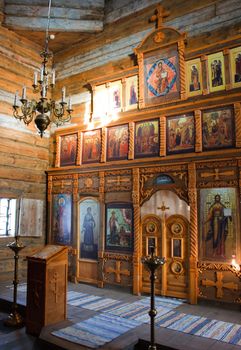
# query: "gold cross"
x,y
117,271
217,174
219,284
118,179
159,16
163,207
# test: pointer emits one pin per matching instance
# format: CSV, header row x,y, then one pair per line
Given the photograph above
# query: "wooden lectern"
x,y
47,287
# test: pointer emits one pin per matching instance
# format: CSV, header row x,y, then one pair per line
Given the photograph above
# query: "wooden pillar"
x,y
181,48
102,229
74,250
137,236
193,234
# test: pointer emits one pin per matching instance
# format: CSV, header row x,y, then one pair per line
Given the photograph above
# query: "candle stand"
x,y
152,262
15,319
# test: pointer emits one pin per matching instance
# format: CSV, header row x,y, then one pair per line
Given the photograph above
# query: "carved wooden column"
x,y
204,62
181,48
102,229
226,53
57,150
137,238
193,235
131,140
74,250
141,79
198,128
162,136
237,112
78,158
103,146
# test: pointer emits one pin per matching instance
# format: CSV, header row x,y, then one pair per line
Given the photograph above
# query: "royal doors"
x,y
169,236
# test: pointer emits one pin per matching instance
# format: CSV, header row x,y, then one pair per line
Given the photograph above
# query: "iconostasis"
x,y
157,162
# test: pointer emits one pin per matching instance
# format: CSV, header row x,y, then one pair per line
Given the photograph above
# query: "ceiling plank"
x,y
60,3
56,12
58,25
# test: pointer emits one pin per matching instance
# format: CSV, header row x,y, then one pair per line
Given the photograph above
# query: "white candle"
x,y
41,74
70,105
63,94
18,217
15,98
24,93
44,91
35,80
53,76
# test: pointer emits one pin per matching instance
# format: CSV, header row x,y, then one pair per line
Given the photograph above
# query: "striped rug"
x,y
97,330
201,326
91,302
166,317
171,303
136,311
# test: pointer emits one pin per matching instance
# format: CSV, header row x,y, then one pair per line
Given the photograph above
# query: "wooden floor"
x,y
11,339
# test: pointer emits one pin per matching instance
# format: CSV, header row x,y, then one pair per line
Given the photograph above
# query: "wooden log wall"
x,y
24,156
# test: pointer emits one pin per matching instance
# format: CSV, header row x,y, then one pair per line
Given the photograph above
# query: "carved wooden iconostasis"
x,y
167,172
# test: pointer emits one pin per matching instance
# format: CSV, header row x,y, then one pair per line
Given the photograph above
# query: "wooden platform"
x,y
169,339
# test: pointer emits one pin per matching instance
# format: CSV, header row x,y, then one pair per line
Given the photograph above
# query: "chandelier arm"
x,y
58,113
28,111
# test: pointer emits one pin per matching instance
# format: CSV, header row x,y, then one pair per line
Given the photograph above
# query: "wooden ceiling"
x,y
72,21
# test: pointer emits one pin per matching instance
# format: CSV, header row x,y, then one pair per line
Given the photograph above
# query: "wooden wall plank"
x,y
20,137
13,147
60,25
19,46
56,12
26,175
16,188
22,162
196,20
69,4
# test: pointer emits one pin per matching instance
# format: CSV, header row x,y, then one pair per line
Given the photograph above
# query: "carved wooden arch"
x,y
158,38
177,217
81,200
179,186
147,216
158,46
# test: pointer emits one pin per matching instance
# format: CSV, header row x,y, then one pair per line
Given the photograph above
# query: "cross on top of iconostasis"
x,y
160,14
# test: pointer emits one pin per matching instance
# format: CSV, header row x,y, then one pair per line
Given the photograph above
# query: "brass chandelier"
x,y
44,111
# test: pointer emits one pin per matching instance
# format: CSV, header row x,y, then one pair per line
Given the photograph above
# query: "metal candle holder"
x,y
15,319
152,262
